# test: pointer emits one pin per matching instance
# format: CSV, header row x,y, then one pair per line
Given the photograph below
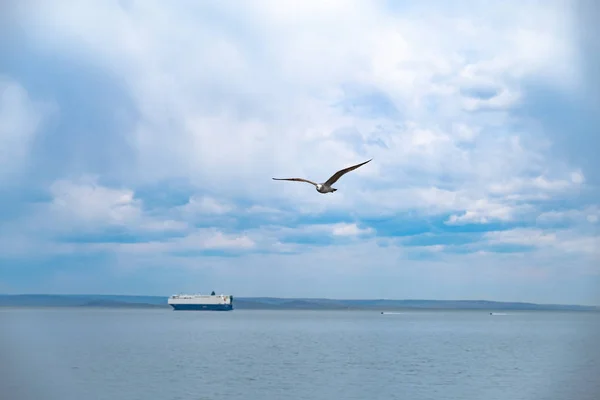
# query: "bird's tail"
x,y
333,189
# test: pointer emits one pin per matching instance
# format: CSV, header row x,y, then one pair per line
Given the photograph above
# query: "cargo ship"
x,y
201,302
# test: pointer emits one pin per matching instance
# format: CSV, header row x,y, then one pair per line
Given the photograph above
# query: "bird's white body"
x,y
325,187
321,188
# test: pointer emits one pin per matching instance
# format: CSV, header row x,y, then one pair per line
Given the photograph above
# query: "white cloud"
x,y
197,241
258,209
580,217
338,229
527,236
221,241
349,230
271,234
206,205
567,240
482,216
20,120
85,206
92,204
500,101
539,184
465,132
577,177
249,108
272,239
163,225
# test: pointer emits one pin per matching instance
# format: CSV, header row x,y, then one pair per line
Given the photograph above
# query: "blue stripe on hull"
x,y
202,307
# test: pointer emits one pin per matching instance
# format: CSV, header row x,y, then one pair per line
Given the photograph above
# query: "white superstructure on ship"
x,y
212,302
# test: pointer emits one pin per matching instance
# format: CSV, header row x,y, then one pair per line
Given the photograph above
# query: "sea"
x,y
141,354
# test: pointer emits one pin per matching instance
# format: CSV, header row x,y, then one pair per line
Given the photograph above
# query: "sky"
x,y
138,140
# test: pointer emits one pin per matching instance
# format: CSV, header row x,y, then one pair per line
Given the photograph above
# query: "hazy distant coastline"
x,y
272,303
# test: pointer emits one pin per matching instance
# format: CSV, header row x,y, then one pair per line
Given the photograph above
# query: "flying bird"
x,y
325,187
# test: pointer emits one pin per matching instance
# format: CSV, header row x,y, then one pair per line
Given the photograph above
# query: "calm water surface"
x,y
162,354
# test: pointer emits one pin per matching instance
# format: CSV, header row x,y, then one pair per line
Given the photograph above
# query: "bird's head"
x,y
319,186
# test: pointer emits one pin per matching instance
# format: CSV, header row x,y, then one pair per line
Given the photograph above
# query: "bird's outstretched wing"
x,y
296,180
334,178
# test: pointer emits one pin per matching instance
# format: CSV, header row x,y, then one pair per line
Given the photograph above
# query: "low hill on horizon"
x,y
276,303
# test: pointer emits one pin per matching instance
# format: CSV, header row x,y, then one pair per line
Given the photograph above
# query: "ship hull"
x,y
202,307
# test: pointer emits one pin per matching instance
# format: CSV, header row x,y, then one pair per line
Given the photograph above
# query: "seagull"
x,y
326,186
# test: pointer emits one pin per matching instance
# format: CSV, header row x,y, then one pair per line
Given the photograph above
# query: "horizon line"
x,y
315,298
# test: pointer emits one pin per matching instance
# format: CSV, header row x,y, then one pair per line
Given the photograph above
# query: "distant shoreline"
x,y
275,303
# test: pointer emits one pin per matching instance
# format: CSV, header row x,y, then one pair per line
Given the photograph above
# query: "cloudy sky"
x,y
138,140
